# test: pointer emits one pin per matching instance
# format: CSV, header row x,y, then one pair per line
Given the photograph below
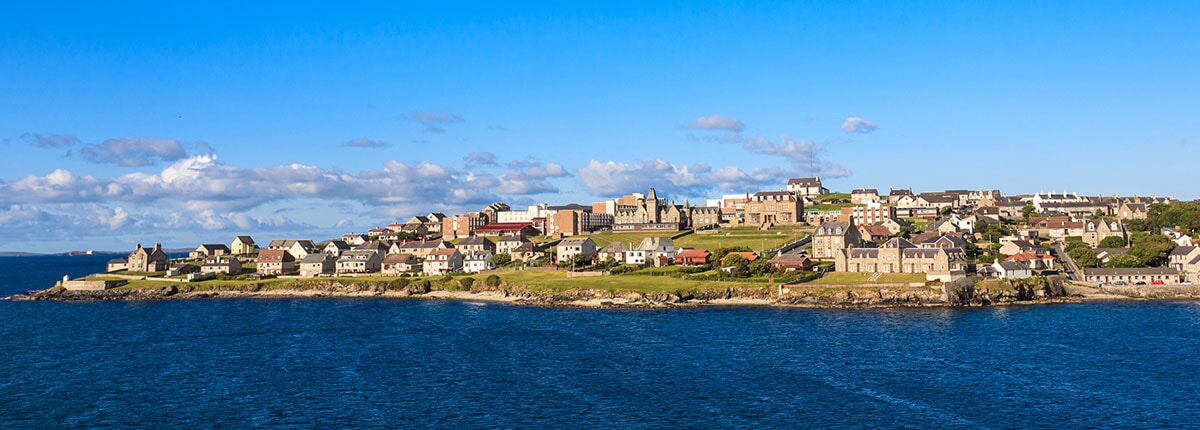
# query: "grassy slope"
x,y
850,278
725,237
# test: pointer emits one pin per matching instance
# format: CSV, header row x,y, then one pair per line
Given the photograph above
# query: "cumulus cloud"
x,y
611,178
481,158
803,155
134,152
363,142
717,122
202,183
50,140
858,125
434,121
531,179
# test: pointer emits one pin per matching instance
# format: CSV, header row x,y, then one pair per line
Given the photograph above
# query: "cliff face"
x,y
982,294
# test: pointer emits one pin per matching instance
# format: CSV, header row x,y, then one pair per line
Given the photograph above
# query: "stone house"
x,y
225,265
209,250
614,251
1129,210
297,248
1036,260
148,260
1014,247
791,262
476,244
1095,231
1186,260
243,245
899,255
1011,270
807,187
896,197
335,248
767,208
422,248
863,196
276,262
507,244
477,261
1132,276
398,264
831,237
116,265
442,261
360,261
875,233
318,264
527,252
570,247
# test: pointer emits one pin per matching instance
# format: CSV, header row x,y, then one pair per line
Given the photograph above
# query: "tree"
x,y
761,266
1028,211
1152,249
501,259
1124,260
1085,257
1112,242
739,267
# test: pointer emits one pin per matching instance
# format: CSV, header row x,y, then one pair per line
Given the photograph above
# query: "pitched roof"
x,y
472,241
1182,250
315,258
574,241
693,253
790,259
898,242
1123,271
807,182
1009,266
245,239
400,259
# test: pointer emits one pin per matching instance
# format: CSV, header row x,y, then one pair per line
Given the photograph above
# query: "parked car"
x,y
1157,282
1120,283
1186,283
1140,283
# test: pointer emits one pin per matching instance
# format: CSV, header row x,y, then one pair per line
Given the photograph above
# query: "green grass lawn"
x,y
831,197
854,278
750,237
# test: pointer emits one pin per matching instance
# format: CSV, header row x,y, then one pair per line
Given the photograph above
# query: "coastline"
x,y
791,296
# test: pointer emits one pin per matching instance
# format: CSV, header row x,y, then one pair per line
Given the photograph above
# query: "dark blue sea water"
x,y
408,363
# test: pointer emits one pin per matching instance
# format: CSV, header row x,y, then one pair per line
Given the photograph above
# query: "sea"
x,y
406,363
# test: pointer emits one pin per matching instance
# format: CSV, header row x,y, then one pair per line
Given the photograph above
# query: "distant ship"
x,y
79,253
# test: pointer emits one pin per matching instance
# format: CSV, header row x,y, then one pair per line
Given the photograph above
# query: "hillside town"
x,y
943,236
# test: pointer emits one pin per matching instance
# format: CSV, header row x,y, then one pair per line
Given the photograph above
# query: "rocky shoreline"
x,y
1032,291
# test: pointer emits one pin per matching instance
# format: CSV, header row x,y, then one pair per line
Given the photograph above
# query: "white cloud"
x,y
803,155
481,158
363,142
134,152
201,183
434,121
717,122
858,125
611,178
531,179
50,140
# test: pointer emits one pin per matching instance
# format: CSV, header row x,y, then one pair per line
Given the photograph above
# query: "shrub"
x,y
492,281
466,282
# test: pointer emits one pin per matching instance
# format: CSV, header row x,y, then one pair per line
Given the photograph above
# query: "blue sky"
x,y
188,124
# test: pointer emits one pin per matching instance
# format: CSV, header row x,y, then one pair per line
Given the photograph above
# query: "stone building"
x,y
148,260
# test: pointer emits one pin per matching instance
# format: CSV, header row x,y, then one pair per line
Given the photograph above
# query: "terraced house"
x,y
898,255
